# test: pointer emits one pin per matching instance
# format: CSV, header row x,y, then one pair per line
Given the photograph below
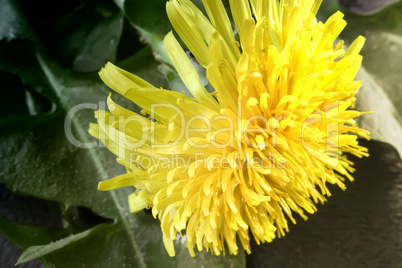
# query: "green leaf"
x,y
36,252
87,44
11,23
18,58
25,112
153,34
150,16
25,235
21,106
100,45
155,41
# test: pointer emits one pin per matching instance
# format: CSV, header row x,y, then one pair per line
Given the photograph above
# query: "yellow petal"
x,y
123,180
187,71
136,201
241,12
120,80
220,20
187,31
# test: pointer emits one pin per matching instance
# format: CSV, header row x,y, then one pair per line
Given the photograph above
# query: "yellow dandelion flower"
x,y
262,146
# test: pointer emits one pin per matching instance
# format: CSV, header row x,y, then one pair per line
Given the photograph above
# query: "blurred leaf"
x,y
381,72
348,230
365,7
386,123
119,3
327,8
